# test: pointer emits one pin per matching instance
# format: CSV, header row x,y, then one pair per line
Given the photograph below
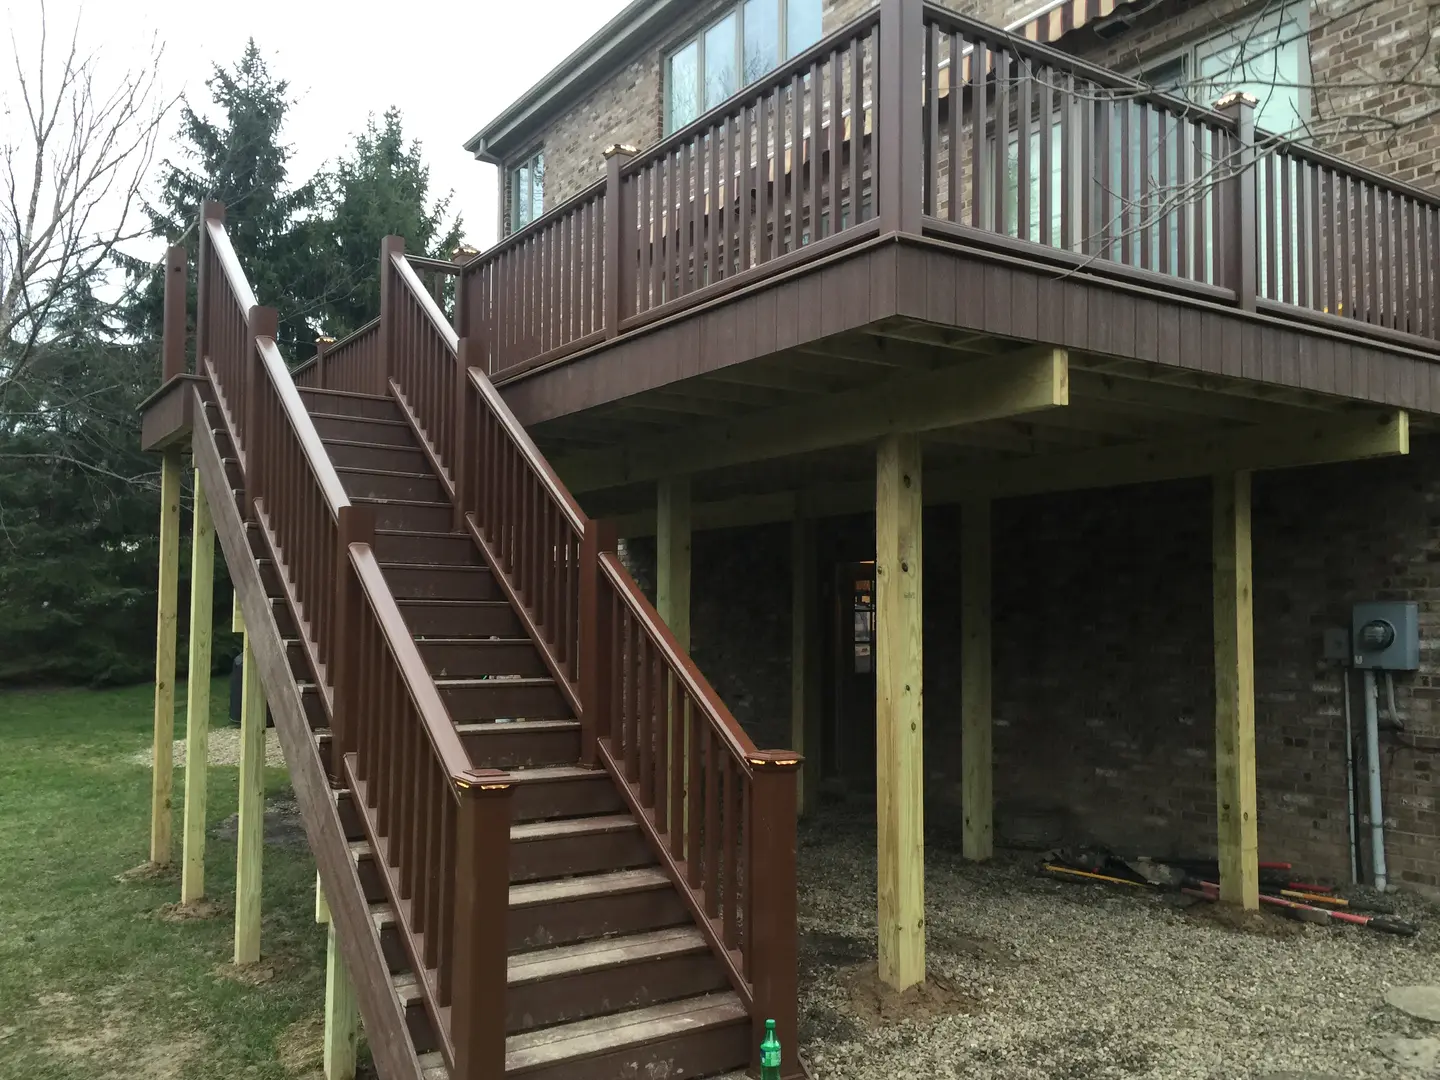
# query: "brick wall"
x,y
1103,691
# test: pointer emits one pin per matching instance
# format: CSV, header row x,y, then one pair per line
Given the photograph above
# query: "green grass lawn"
x,y
94,981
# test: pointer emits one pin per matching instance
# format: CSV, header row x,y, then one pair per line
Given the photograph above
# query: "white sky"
x,y
448,65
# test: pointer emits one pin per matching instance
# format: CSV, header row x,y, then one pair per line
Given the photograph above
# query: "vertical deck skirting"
x,y
899,712
197,705
1235,693
166,624
976,735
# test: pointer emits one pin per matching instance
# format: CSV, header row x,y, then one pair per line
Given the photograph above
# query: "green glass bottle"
x,y
770,1054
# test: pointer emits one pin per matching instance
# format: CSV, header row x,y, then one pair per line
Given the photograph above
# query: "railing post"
x,y
177,280
355,525
460,467
322,346
461,321
772,941
209,211
616,276
261,322
1241,256
595,644
899,115
482,901
391,245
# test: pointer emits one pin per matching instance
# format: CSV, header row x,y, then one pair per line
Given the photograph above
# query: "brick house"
x,y
1103,689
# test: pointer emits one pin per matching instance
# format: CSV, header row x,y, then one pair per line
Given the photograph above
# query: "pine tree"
x,y
382,187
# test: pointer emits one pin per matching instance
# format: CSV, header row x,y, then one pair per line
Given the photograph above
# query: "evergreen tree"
x,y
382,187
239,158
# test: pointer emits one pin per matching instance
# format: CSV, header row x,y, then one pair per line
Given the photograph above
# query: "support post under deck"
x,y
976,723
250,829
197,705
166,624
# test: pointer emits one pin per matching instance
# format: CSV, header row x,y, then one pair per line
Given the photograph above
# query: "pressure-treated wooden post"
x,y
976,751
1235,693
261,322
899,115
482,901
773,945
355,525
618,227
197,706
342,1014
672,556
250,827
596,646
1239,236
177,281
389,246
167,617
804,662
899,712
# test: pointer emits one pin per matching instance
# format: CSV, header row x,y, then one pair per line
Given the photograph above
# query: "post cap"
x,y
620,148
324,339
482,781
776,759
1237,97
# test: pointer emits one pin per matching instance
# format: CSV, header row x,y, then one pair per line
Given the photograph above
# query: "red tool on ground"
x,y
1387,924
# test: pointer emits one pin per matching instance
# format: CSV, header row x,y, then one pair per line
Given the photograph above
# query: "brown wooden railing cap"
x,y
482,782
775,759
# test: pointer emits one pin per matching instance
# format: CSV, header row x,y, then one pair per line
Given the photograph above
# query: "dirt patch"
x,y
109,1046
146,871
975,947
1265,923
283,824
301,1047
874,1004
180,913
257,974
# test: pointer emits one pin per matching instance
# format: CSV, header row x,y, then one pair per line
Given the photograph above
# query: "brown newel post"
x,y
899,115
261,322
772,944
176,280
595,643
1241,263
482,899
356,525
209,211
461,466
322,346
617,277
385,369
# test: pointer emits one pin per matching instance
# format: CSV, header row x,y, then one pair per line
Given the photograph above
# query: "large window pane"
x,y
527,191
683,86
762,37
802,25
721,78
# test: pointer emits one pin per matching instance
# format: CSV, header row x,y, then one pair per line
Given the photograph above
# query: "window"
x,y
749,40
527,190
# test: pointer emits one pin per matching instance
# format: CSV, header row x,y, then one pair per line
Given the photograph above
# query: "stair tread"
x,y
585,826
601,953
514,727
384,472
495,680
397,502
543,773
343,393
359,419
600,1034
574,888
421,532
468,568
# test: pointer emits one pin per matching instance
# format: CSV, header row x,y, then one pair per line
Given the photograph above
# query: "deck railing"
x,y
439,830
916,120
348,364
733,858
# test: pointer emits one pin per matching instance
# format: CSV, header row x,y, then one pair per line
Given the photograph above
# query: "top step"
x,y
344,403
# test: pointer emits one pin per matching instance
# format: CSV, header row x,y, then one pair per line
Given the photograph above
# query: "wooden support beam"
x,y
342,1015
976,731
805,662
1235,693
899,712
197,705
162,777
237,617
982,390
322,908
672,556
250,829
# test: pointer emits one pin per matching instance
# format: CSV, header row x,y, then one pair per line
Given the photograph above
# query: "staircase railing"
x,y
718,812
439,831
348,364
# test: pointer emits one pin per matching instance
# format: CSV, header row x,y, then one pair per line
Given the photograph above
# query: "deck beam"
x,y
197,704
250,828
976,730
1235,693
162,777
899,712
989,389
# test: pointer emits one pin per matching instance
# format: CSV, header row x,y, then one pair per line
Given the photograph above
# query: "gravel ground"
x,y
224,749
1072,982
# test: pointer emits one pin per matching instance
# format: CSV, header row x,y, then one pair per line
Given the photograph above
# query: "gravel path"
x,y
224,749
1072,982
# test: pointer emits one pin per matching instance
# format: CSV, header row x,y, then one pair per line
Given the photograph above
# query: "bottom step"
x,y
693,1037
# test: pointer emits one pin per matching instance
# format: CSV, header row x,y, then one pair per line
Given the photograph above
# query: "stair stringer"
x,y
359,940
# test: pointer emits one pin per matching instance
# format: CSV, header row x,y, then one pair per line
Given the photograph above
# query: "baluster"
x,y
695,729
729,809
712,822
678,709
597,638
645,725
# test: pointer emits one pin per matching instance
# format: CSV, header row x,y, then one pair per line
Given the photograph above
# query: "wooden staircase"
x,y
531,873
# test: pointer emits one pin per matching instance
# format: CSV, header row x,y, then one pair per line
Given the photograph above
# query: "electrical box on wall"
x,y
1386,635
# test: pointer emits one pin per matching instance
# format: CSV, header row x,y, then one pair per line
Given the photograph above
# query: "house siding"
x,y
1103,669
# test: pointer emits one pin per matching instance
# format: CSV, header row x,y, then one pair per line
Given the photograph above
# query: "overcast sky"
x,y
448,65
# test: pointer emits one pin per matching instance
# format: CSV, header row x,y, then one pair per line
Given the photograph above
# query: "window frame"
x,y
697,38
512,186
